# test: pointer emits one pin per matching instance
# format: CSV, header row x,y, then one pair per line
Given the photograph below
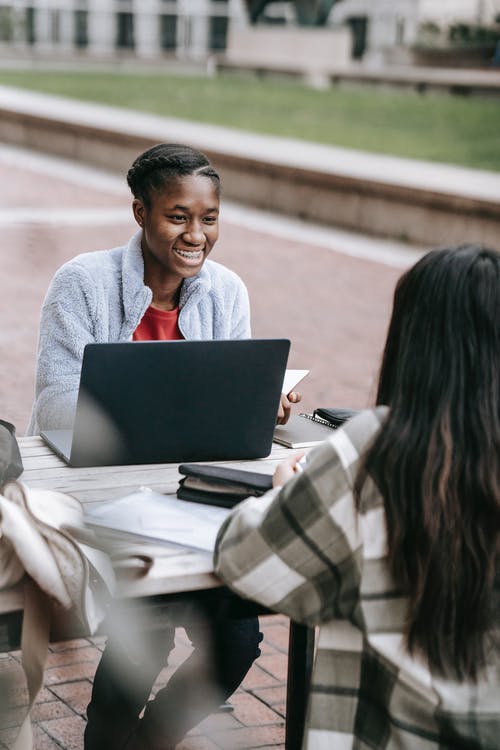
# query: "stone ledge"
x,y
419,201
418,78
305,52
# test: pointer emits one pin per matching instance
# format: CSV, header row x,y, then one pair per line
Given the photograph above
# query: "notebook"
x,y
306,430
169,401
302,431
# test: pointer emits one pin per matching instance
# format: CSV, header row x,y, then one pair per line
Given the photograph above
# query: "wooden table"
x,y
174,578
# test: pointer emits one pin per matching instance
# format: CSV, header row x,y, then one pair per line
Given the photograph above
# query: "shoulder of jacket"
x,y
98,262
356,433
220,274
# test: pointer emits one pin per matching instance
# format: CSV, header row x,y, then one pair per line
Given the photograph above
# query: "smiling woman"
x,y
178,211
159,285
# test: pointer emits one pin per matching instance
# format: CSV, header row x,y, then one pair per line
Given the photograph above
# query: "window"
x,y
218,32
6,23
81,27
29,25
125,30
218,24
359,28
168,32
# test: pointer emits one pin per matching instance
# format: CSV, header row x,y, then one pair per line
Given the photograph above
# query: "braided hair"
x,y
164,163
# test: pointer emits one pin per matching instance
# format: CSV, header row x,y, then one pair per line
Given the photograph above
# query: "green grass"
x,y
438,127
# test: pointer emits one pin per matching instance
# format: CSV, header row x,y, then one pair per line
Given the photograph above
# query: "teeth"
x,y
189,255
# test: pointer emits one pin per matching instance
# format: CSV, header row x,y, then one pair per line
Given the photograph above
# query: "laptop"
x,y
170,401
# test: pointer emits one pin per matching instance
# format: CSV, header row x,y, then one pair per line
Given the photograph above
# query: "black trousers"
x,y
224,651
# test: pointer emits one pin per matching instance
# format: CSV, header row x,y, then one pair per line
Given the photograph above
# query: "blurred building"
x,y
188,29
381,28
194,29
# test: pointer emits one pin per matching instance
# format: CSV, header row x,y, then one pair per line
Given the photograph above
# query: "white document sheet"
x,y
292,378
150,516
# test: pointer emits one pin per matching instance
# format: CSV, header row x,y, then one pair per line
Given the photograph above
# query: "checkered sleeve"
x,y
298,550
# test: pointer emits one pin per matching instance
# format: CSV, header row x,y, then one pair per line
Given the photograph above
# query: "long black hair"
x,y
156,168
436,460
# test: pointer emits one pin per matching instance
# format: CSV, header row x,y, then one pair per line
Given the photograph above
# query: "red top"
x,y
158,325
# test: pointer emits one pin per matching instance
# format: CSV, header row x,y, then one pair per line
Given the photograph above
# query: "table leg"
x,y
300,659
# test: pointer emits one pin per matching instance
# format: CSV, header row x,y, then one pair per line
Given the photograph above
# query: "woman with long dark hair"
x,y
389,539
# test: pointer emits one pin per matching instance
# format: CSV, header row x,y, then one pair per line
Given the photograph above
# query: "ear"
x,y
139,211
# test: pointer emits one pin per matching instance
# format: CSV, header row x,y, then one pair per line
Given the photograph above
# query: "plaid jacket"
x,y
307,552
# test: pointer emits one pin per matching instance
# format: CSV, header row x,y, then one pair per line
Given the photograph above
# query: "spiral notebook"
x,y
303,431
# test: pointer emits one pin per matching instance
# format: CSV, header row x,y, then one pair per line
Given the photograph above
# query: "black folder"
x,y
220,485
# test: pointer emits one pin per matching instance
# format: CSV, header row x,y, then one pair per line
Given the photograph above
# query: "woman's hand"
x,y
287,469
285,406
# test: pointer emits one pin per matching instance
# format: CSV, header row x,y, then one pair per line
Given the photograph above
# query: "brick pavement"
x,y
257,719
333,307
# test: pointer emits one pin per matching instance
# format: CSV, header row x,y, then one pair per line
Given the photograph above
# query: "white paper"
x,y
292,378
160,518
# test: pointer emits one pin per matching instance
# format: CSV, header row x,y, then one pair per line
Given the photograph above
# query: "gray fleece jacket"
x,y
101,297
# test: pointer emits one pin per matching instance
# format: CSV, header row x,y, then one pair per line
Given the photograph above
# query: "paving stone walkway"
x,y
256,721
333,306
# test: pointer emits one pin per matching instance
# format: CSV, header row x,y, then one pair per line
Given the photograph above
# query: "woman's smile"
x,y
191,256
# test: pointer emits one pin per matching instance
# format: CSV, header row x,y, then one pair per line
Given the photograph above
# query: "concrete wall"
x,y
310,52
